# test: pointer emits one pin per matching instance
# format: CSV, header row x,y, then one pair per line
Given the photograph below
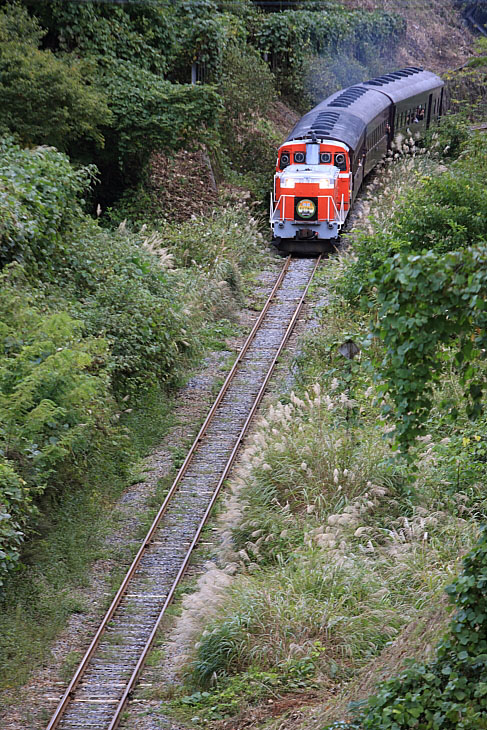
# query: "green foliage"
x,y
243,97
231,694
430,309
40,196
164,37
249,143
150,113
292,36
462,464
450,136
430,303
16,508
481,48
16,25
53,385
449,213
44,99
441,212
144,34
102,79
54,405
132,302
91,314
449,692
203,34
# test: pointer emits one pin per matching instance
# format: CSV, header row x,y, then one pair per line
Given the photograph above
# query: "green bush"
x,y
440,212
16,25
444,213
44,99
425,275
450,137
134,303
431,310
150,113
40,197
16,508
53,384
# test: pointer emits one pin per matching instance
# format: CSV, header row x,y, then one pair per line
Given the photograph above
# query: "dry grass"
x,y
323,553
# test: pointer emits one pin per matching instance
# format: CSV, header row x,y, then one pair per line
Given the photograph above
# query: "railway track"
x,y
105,678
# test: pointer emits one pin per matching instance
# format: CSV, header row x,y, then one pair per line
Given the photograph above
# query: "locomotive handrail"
x,y
277,214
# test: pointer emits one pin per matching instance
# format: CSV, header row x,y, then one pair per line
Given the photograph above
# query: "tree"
x,y
43,99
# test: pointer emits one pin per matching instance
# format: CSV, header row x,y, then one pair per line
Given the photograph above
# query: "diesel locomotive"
x,y
322,164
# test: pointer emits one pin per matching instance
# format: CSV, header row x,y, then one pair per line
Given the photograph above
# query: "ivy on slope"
x,y
151,113
292,37
295,32
432,303
431,309
422,276
450,692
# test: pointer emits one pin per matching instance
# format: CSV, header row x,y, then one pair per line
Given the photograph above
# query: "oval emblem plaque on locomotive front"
x,y
306,208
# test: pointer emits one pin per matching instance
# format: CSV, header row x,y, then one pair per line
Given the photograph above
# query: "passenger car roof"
x,y
344,116
405,83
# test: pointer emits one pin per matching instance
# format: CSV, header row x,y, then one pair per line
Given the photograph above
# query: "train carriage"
x,y
321,165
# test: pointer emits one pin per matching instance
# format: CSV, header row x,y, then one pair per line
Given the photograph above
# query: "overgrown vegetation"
x,y
428,294
119,76
90,318
305,43
450,691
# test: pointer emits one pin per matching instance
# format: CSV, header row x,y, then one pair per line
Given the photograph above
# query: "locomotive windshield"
x,y
325,175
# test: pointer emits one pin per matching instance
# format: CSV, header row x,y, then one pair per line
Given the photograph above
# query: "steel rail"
x,y
67,696
140,664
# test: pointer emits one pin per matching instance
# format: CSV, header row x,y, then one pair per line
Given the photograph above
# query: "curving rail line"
x,y
106,676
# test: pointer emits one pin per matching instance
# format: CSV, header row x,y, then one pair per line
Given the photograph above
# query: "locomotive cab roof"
x,y
329,123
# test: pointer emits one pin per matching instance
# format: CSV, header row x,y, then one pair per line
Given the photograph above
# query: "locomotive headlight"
x,y
325,183
306,208
287,182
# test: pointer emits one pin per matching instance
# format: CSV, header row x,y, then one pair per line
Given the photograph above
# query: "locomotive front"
x,y
311,195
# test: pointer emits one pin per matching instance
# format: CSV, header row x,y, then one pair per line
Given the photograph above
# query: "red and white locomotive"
x,y
321,166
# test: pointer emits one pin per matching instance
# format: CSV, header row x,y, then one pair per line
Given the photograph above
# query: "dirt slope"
x,y
436,38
